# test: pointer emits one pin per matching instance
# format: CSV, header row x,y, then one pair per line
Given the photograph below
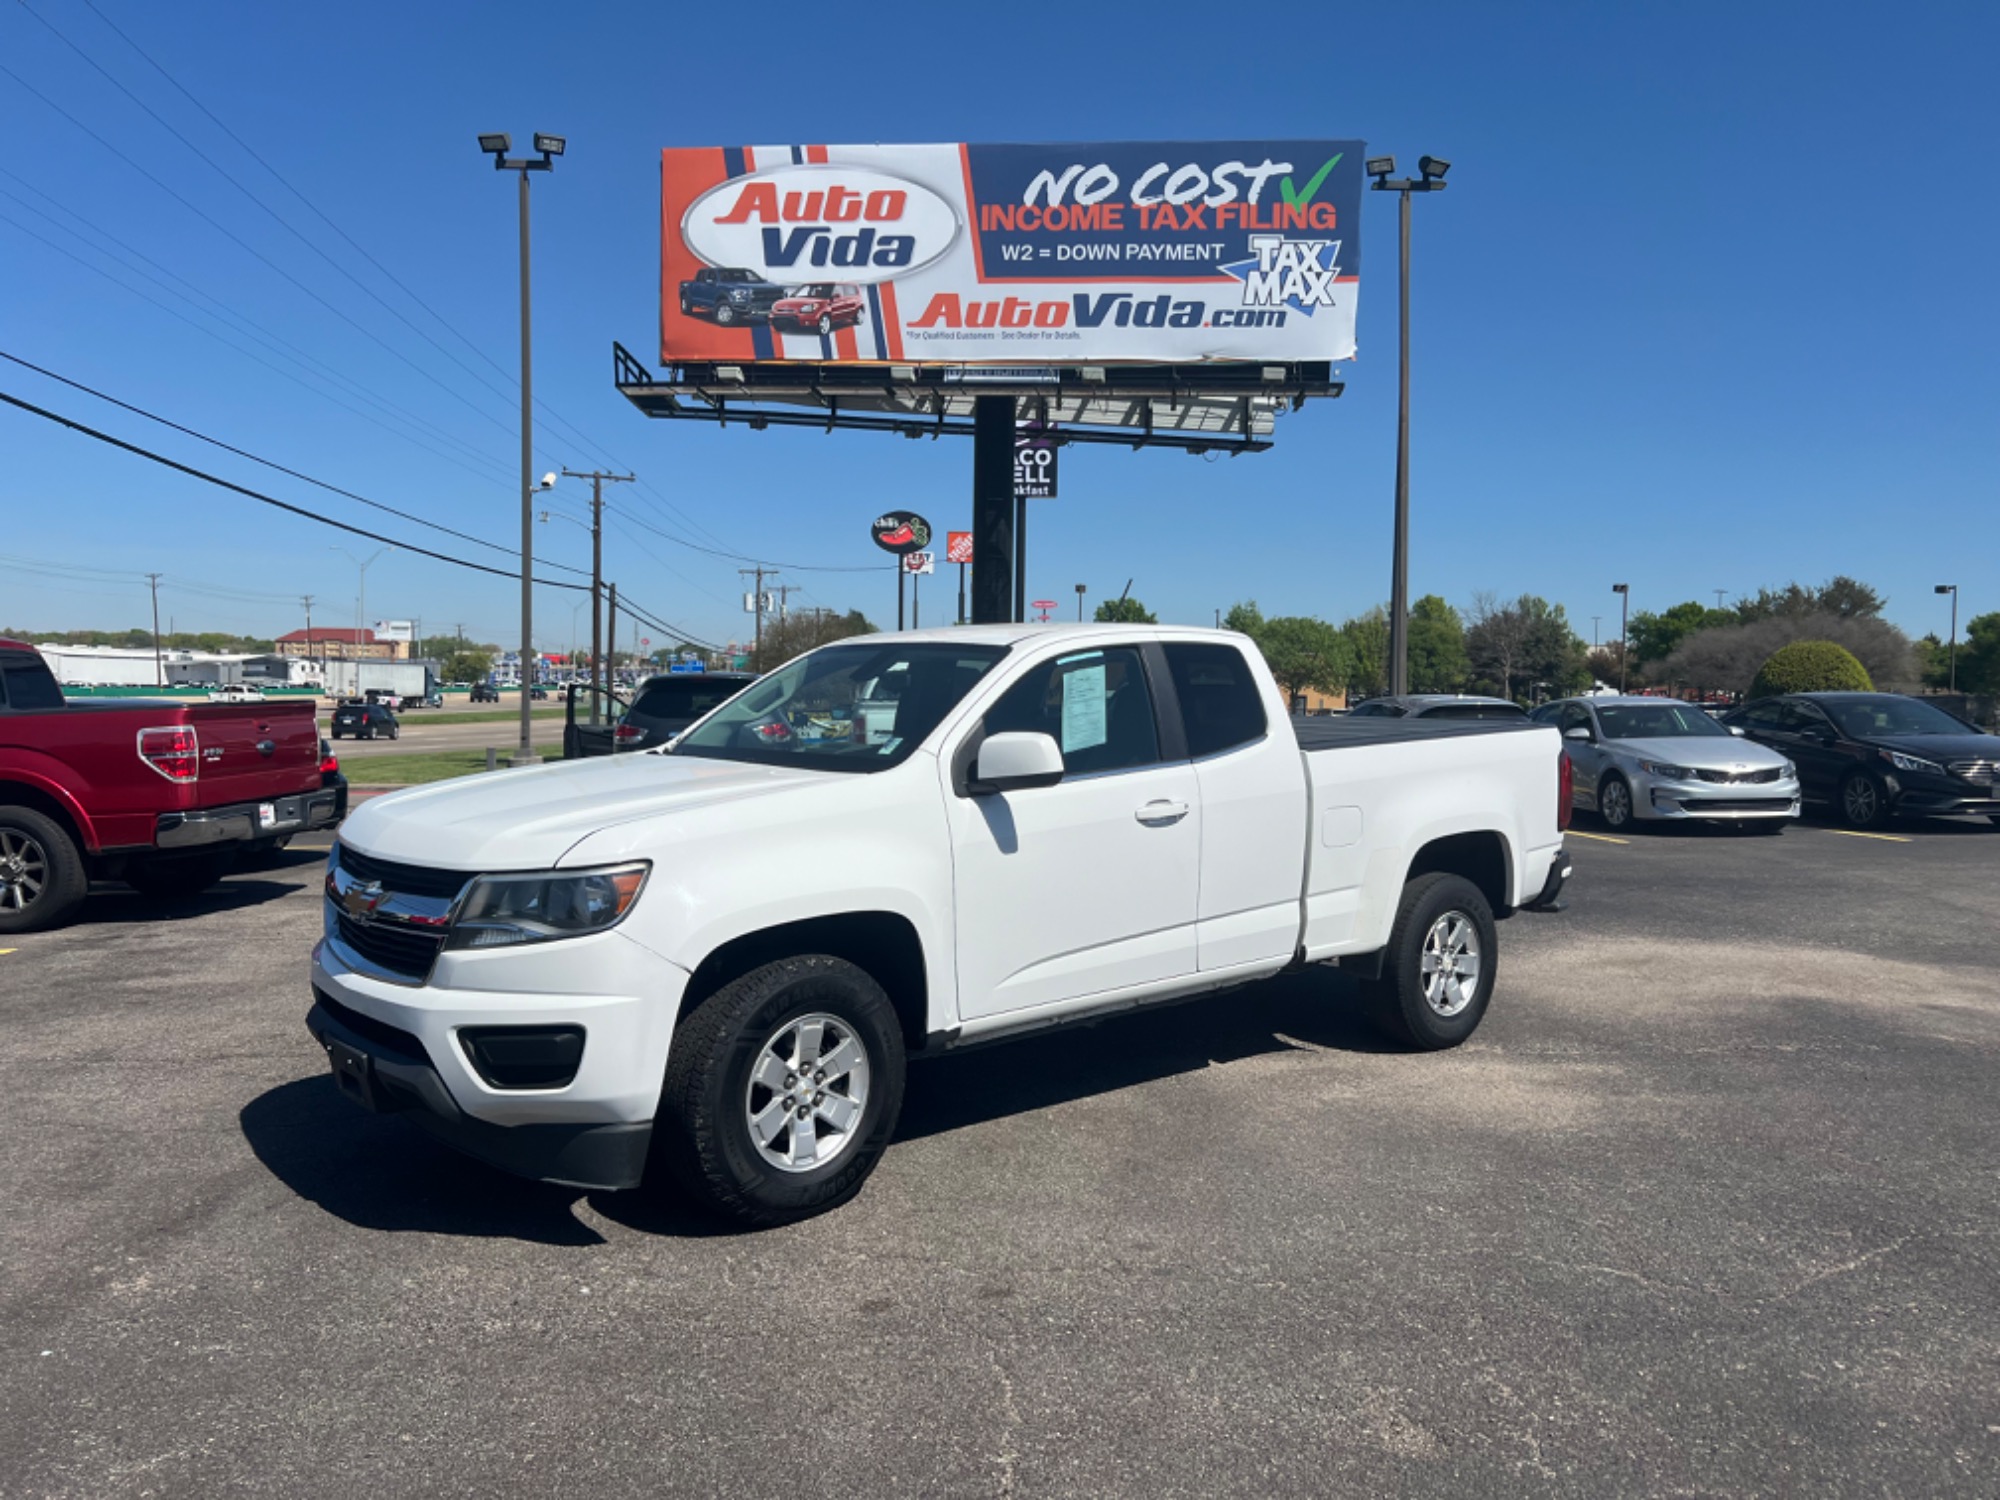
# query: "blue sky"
x,y
1709,303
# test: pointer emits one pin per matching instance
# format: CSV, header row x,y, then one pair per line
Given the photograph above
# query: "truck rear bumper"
x,y
248,820
386,1070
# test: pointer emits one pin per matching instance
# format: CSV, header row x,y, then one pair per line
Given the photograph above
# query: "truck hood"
x,y
528,819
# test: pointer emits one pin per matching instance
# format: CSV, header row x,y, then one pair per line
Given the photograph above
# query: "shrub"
x,y
1811,667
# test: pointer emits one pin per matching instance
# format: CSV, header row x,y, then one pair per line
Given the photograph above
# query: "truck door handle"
x,y
1161,812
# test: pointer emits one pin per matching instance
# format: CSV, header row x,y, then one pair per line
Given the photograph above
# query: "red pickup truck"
x,y
162,795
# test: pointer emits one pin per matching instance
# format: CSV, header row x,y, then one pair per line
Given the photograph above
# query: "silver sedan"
x,y
1658,758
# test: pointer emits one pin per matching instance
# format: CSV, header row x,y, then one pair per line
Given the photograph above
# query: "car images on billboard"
x,y
1175,252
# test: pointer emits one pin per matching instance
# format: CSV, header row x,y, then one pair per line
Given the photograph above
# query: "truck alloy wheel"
x,y
724,313
782,1090
1438,970
41,875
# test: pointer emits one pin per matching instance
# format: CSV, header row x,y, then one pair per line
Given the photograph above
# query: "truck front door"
x,y
1089,886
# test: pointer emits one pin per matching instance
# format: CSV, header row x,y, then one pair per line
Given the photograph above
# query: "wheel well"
x,y
17,794
883,943
1480,857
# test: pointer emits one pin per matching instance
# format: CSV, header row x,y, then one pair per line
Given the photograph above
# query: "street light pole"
x,y
1079,604
1624,593
1952,589
360,604
550,147
1432,170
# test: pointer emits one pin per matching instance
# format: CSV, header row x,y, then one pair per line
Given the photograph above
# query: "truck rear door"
x,y
252,752
1254,805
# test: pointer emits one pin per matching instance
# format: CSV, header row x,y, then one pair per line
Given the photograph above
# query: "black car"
x,y
663,707
365,721
1875,756
1437,706
485,692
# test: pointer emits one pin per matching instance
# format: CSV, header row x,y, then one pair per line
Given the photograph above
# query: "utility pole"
x,y
307,600
1593,630
784,591
611,643
1718,597
159,666
597,477
757,603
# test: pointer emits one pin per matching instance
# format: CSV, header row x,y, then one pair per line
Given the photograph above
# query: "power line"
x,y
222,311
249,249
140,411
680,541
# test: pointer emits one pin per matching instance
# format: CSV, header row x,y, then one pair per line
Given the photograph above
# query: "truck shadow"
x,y
269,877
384,1173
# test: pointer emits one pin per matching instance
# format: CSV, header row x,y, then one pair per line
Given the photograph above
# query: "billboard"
x,y
1039,254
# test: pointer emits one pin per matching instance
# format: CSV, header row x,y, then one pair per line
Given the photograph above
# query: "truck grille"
x,y
1741,778
410,880
407,951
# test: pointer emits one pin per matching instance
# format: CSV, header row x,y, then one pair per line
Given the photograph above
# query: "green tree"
x,y
1979,656
806,630
1437,647
1303,653
1125,611
1527,645
1847,598
1244,616
1810,667
1654,636
1367,640
467,666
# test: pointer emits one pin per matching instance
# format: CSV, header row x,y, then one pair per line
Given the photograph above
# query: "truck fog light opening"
x,y
523,1057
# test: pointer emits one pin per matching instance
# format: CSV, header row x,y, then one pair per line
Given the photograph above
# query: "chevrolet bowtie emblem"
x,y
362,900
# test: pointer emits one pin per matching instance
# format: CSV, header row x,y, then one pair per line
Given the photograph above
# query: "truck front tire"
x,y
1438,970
782,1090
42,879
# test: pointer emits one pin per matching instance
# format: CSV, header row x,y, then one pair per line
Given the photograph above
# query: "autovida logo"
x,y
790,221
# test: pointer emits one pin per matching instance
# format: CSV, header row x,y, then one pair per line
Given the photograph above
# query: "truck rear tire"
x,y
178,877
42,878
1437,975
782,1090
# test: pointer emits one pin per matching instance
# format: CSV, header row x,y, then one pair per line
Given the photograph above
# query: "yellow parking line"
x,y
5,951
1602,838
1855,833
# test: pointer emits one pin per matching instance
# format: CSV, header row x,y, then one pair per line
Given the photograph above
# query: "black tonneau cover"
x,y
1337,731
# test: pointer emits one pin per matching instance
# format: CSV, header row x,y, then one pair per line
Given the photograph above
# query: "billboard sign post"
x,y
1039,255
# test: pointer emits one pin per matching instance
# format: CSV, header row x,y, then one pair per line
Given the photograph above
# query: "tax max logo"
x,y
1298,274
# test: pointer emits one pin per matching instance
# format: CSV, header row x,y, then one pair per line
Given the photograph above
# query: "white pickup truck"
x,y
718,957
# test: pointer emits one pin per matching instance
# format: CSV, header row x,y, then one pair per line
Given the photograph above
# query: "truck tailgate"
x,y
254,751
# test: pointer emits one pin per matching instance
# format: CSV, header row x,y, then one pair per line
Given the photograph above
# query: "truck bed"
x,y
1339,732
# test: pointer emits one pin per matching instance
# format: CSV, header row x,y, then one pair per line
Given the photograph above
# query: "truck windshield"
x,y
843,708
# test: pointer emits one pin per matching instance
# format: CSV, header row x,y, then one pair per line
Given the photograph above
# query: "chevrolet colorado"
x,y
720,955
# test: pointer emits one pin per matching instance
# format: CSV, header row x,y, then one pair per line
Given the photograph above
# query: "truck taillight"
x,y
1565,790
174,751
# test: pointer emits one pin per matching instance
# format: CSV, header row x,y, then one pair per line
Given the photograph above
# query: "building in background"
x,y
128,666
344,643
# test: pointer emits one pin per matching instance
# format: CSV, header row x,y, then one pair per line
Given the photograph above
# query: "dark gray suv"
x,y
661,709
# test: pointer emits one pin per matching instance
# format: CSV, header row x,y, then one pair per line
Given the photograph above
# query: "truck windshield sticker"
x,y
1083,708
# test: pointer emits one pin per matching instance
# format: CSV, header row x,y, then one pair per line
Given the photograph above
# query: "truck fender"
x,y
15,773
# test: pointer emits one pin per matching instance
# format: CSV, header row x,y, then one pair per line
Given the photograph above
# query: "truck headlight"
x,y
1904,762
1665,771
502,911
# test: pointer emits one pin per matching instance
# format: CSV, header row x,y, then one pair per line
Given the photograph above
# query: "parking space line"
x,y
1602,838
5,951
1856,833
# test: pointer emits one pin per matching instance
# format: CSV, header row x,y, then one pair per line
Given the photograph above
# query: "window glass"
x,y
1221,706
1802,718
1476,711
31,685
819,712
1889,714
687,696
1767,715
1576,716
1093,704
1376,708
1657,721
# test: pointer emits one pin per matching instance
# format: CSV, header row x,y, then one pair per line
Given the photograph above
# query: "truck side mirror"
x,y
1016,762
1578,733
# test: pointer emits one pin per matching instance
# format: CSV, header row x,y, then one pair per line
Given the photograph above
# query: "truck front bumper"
x,y
397,1047
242,821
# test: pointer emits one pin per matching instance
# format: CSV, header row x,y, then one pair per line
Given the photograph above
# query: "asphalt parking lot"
x,y
1709,1206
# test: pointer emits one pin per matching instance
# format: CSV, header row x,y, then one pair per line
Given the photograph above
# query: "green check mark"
x,y
1296,198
